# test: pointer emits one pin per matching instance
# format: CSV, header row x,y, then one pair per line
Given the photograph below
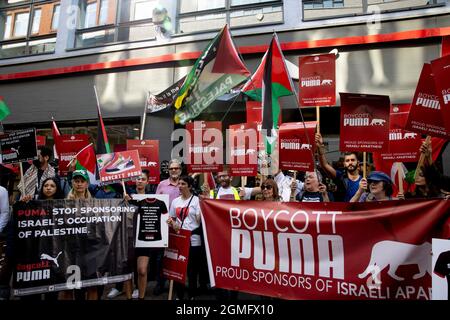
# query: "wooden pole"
x,y
144,117
364,165
21,179
124,189
400,177
318,118
243,181
294,179
170,290
422,158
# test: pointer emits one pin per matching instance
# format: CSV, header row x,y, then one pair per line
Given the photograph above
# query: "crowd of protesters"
x,y
185,190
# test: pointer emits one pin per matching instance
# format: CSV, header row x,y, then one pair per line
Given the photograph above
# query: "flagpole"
x,y
21,179
318,118
144,117
400,177
170,290
364,164
96,96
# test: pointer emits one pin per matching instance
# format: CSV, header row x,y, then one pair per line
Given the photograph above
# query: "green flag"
x,y
4,110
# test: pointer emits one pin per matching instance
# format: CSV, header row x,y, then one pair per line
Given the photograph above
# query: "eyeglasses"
x,y
266,187
177,168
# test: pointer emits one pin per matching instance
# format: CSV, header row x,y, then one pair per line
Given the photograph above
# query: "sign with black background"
x,y
18,146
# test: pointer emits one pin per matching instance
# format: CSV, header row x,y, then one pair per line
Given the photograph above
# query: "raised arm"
x,y
322,158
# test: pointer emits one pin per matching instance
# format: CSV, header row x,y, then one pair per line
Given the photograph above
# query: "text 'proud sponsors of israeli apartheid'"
x,y
18,146
119,166
426,115
297,145
148,156
67,244
403,145
243,155
317,80
364,122
68,145
324,250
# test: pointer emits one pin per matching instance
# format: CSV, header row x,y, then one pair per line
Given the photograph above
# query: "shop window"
x,y
55,17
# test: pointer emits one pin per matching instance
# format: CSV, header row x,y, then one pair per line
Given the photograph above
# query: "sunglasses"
x,y
266,187
175,168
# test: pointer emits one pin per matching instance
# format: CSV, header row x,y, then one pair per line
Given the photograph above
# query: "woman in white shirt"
x,y
185,214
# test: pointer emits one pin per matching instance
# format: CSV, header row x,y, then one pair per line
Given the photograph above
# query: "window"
x,y
91,15
27,27
237,13
104,6
143,10
55,18
36,21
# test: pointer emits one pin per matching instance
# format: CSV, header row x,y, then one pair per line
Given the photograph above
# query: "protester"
x,y
380,188
4,208
270,191
287,186
314,189
51,189
185,214
226,191
348,179
36,173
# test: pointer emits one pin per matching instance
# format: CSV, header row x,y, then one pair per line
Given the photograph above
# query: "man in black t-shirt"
x,y
442,269
150,211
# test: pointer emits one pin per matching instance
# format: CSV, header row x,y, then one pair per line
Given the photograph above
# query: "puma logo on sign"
x,y
377,122
394,254
45,256
327,82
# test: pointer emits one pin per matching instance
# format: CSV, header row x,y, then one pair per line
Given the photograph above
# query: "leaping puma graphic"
x,y
394,254
45,256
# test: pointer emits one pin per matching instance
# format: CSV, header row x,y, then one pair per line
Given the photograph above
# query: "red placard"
x,y
426,114
40,140
296,145
68,146
148,155
254,111
445,49
335,251
242,149
441,74
364,122
176,255
317,80
204,145
403,145
118,166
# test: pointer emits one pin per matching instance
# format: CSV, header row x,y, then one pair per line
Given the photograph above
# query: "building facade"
x,y
52,53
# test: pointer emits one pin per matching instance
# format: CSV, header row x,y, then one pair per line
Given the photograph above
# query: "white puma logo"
x,y
45,256
394,254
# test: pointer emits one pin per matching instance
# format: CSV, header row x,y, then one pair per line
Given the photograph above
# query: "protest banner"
x,y
148,156
289,250
317,80
68,244
364,122
242,149
119,166
441,75
18,146
297,146
176,256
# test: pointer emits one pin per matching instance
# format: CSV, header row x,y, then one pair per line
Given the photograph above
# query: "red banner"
x,y
403,145
68,146
321,251
118,166
242,149
254,111
426,115
40,140
296,146
148,156
441,74
204,151
176,255
364,122
317,79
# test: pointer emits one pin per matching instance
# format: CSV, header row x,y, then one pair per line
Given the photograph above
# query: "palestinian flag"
x,y
56,139
269,82
4,110
86,160
218,70
102,139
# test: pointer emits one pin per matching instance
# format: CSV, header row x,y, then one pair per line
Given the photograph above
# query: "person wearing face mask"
x,y
36,174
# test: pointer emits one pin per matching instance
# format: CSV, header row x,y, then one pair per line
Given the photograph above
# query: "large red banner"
x,y
176,255
204,151
317,80
297,146
68,145
426,114
441,74
119,166
148,155
364,122
242,149
403,145
288,250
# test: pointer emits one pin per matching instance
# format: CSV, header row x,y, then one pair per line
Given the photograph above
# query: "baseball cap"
x,y
80,173
379,176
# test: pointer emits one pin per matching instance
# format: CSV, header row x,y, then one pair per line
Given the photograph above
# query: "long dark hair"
x,y
59,194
